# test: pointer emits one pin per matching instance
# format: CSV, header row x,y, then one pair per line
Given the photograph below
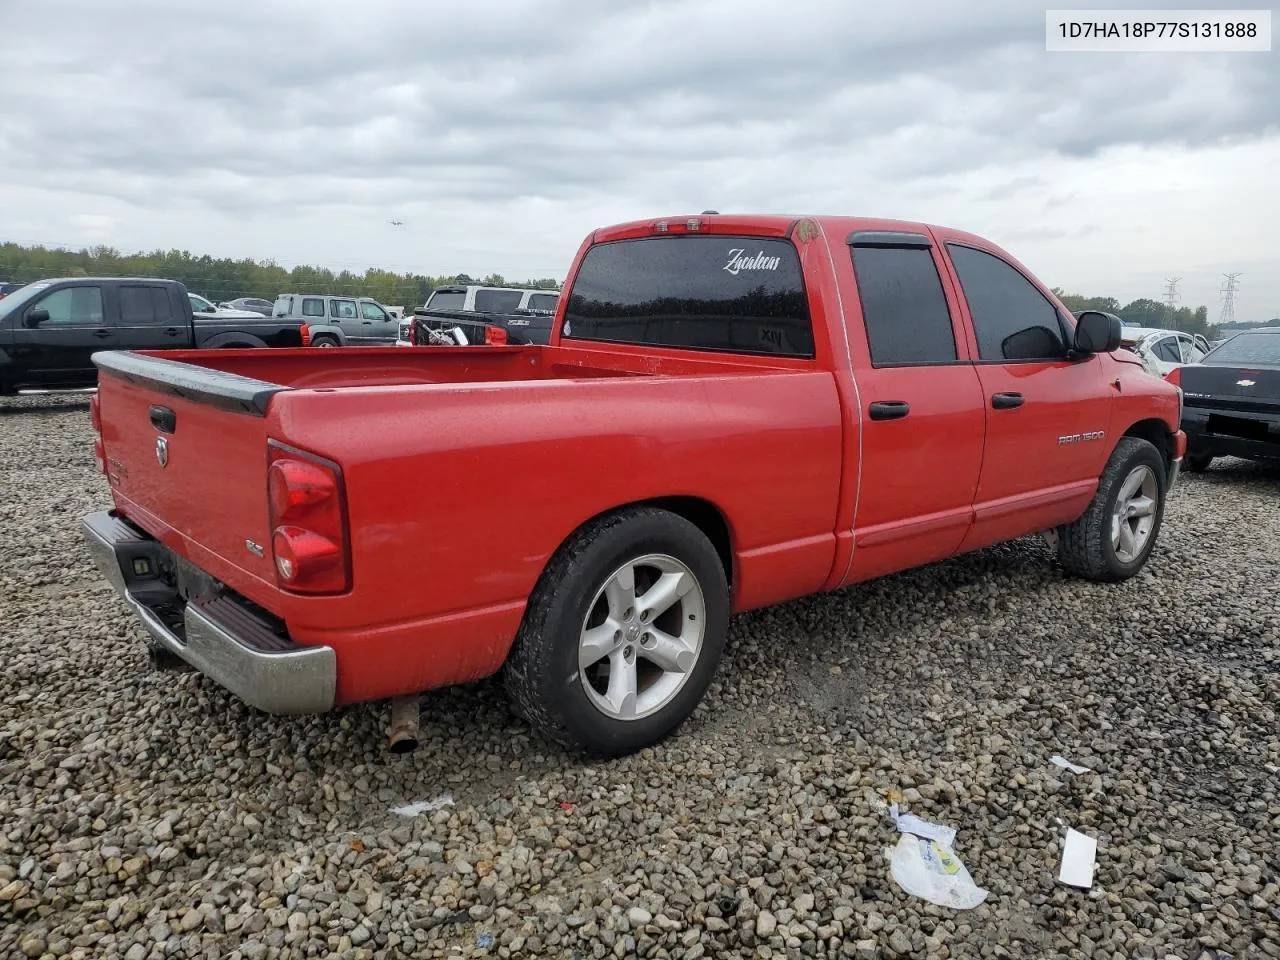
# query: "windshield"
x,y
22,296
1244,348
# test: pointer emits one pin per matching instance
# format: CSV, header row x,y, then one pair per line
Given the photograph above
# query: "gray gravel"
x,y
152,815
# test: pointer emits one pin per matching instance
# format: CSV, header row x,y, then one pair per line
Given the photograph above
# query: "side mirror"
x,y
36,317
1097,332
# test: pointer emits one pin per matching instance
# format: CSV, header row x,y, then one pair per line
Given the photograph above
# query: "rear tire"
x,y
1196,462
592,667
1114,537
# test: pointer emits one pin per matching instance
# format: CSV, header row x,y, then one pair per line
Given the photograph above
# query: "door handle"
x,y
1006,401
171,331
162,418
101,334
367,323
889,409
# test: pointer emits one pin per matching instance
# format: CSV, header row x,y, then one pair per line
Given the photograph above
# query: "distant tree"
x,y
1145,313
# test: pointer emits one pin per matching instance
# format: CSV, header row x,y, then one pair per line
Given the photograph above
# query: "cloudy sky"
x,y
502,131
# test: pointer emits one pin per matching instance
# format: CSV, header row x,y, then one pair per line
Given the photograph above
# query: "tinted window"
x,y
312,307
497,301
544,301
199,304
343,309
447,300
1245,348
371,311
1012,319
1167,349
73,305
903,306
743,295
143,305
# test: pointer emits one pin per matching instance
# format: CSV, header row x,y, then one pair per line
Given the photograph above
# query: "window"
x,y
343,309
1192,351
141,306
1012,319
544,301
312,307
371,311
735,294
282,307
903,306
1166,348
1248,348
497,301
72,305
447,300
199,304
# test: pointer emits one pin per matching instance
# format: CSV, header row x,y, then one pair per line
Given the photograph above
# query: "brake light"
x,y
413,332
95,414
1174,376
495,335
100,455
309,542
305,330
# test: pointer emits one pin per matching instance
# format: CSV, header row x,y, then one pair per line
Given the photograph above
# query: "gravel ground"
x,y
152,815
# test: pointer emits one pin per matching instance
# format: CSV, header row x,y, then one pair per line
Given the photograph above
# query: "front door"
x,y
921,407
376,324
1047,416
56,350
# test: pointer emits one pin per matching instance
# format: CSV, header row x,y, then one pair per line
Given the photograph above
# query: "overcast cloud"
x,y
502,132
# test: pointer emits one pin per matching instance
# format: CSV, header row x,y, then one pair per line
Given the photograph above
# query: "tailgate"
x,y
186,457
1238,389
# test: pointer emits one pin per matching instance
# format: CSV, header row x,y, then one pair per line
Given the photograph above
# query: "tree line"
x,y
221,278
1145,313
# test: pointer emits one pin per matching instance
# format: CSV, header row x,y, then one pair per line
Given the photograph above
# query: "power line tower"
x,y
1171,296
1229,290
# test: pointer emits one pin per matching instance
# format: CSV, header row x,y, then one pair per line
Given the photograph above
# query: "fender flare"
x,y
232,338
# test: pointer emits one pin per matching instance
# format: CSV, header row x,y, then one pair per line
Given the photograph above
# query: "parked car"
x,y
205,308
8,287
1231,400
255,304
50,329
356,321
1162,350
732,412
525,315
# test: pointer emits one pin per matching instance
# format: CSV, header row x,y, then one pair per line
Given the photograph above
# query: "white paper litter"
x,y
924,865
1066,764
1079,853
909,823
424,806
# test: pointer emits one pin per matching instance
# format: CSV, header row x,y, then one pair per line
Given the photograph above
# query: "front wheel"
x,y
1114,537
324,342
622,635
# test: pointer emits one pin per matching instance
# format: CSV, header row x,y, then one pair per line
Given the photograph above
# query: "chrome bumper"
x,y
222,640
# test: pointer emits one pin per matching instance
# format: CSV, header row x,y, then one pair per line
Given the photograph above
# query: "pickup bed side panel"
x,y
463,505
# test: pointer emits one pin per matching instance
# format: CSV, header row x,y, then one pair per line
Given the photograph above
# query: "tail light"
x,y
495,335
95,414
309,542
1174,376
305,330
413,333
100,455
95,419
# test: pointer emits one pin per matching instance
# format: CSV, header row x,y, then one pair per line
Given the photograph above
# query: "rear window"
x,y
312,307
498,301
282,306
447,300
1245,348
725,294
544,301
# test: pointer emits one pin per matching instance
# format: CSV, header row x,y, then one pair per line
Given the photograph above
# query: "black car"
x,y
1231,400
49,329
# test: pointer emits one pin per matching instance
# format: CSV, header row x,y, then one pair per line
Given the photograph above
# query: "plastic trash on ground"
x,y
423,806
924,864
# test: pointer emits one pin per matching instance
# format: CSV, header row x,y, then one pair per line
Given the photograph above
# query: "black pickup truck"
x,y
50,328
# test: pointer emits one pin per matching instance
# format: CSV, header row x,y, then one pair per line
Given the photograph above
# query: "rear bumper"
x,y
1247,435
215,632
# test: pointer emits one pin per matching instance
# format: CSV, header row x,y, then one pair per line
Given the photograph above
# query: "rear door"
x,y
146,318
344,313
56,352
920,401
1047,416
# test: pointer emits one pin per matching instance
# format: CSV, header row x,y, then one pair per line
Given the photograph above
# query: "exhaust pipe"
x,y
403,736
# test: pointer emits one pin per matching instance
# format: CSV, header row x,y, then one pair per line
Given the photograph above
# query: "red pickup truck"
x,y
732,411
